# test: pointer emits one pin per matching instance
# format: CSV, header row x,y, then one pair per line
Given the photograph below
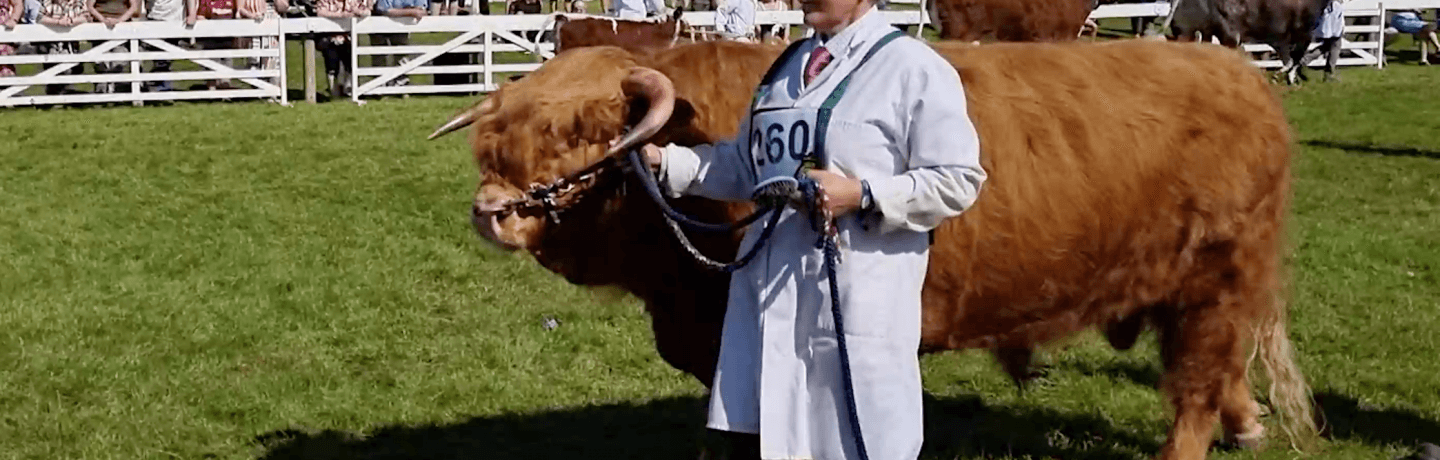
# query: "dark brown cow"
x,y
1109,205
1009,20
1285,25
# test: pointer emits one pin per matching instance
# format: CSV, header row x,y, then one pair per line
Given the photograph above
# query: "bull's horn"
x,y
465,118
660,92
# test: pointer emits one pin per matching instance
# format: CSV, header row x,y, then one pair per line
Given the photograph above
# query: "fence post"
x,y
1380,36
490,60
135,70
283,46
310,68
354,63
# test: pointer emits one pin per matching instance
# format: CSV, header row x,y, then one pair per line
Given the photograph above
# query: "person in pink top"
x,y
9,15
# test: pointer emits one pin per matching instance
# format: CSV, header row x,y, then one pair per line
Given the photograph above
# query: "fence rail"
x,y
483,49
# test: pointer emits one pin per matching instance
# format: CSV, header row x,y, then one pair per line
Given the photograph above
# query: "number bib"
x,y
781,139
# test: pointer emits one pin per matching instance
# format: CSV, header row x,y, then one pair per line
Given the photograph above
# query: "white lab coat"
x,y
903,126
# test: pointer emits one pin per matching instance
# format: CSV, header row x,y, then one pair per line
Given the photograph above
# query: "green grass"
x,y
236,281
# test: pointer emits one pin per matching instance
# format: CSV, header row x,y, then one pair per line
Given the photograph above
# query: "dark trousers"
x,y
335,55
1331,48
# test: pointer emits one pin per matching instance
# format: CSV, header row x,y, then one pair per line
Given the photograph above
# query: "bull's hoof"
x,y
1250,440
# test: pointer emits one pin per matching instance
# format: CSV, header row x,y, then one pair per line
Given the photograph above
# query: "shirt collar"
x,y
864,30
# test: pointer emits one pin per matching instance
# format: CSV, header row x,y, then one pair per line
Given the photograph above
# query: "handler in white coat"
x,y
902,156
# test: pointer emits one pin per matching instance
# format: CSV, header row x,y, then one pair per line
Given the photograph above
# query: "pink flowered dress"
x,y
6,70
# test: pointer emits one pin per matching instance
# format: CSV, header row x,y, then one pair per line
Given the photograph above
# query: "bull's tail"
x,y
1289,394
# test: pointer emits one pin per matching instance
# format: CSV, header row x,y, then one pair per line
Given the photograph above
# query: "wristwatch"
x,y
867,201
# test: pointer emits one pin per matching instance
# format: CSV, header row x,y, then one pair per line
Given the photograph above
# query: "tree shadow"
x,y
1348,418
674,428
1387,150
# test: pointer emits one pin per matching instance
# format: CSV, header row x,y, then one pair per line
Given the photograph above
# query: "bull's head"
x,y
550,132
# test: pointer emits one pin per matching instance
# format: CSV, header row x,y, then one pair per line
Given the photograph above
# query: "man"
x,y
735,19
111,13
1329,28
638,9
397,9
172,11
900,156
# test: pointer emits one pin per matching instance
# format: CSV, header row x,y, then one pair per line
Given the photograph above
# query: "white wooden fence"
x,y
123,44
480,38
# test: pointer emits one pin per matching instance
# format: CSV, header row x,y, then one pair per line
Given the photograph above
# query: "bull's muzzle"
x,y
485,215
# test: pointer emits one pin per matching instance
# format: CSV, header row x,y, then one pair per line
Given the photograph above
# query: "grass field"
x,y
243,280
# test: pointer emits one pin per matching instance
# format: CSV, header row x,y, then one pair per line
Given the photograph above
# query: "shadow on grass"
x,y
673,428
1345,416
1388,150
1348,418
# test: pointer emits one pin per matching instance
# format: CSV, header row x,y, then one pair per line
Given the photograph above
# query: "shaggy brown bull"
x,y
581,31
1009,20
1130,183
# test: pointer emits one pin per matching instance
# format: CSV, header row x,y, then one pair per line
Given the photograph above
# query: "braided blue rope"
x,y
811,192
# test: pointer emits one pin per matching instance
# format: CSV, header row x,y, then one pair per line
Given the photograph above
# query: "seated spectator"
x,y
396,9
10,13
170,11
111,13
1409,22
335,48
64,13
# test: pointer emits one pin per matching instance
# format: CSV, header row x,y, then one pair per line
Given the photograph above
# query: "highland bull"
x,y
1010,20
1131,183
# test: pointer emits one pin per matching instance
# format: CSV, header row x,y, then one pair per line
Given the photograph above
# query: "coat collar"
x,y
869,27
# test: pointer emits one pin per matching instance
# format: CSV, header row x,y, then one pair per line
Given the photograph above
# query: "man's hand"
x,y
111,22
653,155
843,193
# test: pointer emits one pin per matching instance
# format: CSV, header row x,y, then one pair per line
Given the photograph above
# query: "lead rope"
x,y
772,201
828,243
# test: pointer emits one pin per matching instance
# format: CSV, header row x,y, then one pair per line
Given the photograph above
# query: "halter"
x,y
560,194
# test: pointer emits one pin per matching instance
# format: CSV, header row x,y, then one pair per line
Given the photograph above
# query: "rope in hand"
x,y
810,195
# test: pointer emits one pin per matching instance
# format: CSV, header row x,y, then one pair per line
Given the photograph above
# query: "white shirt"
x,y
165,10
638,9
736,18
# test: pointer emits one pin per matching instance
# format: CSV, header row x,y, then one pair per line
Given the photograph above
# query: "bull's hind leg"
x,y
1204,370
